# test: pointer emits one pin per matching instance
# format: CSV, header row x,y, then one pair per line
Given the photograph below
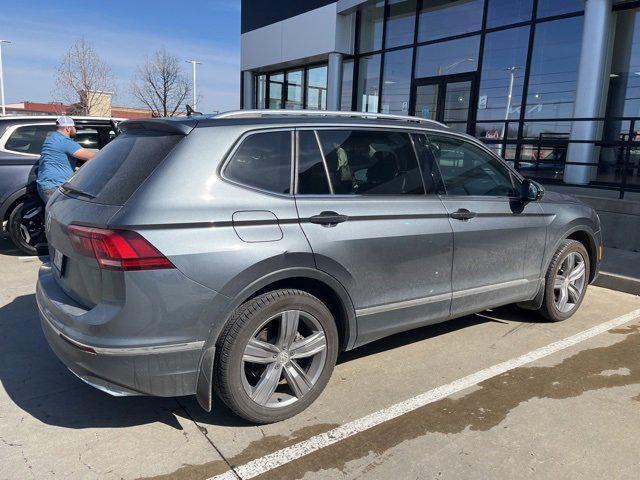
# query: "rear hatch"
x,y
92,197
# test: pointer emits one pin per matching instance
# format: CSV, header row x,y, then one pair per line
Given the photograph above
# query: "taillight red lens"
x,y
117,249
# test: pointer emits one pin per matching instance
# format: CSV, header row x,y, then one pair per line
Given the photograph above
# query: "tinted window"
x,y
371,162
119,169
312,178
28,139
468,170
443,18
503,12
263,161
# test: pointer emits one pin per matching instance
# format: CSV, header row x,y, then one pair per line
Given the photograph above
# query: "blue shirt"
x,y
57,162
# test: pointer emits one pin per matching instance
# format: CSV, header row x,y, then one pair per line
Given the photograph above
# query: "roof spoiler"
x,y
182,126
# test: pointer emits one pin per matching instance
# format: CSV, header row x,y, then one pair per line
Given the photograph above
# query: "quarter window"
x,y
263,161
368,162
468,170
29,139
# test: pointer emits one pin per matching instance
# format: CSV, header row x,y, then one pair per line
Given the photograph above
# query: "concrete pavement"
x,y
573,414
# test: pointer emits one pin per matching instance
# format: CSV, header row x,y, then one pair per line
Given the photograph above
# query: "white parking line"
x,y
289,454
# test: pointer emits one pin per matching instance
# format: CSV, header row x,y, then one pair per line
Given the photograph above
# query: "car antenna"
x,y
191,111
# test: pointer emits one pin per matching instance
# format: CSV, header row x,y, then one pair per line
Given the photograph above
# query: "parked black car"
x,y
21,139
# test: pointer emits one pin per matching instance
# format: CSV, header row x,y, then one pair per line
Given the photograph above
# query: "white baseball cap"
x,y
65,121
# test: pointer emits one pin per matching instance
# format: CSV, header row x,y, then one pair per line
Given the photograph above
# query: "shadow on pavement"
x,y
8,248
39,384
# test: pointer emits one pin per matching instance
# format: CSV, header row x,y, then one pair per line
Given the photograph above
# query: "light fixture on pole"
x,y
512,75
195,94
2,79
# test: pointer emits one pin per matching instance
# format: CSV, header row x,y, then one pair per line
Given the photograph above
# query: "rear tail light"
x,y
117,249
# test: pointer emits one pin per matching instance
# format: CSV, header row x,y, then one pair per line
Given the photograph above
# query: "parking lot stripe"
x,y
286,455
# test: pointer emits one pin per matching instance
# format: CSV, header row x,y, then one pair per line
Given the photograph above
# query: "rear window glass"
x,y
263,161
119,169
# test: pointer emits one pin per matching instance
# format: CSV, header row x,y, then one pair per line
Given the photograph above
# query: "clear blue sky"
x,y
123,32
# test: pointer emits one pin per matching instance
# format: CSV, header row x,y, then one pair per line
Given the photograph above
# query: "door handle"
x,y
463,214
328,218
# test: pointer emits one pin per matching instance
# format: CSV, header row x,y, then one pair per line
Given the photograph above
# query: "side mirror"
x,y
531,191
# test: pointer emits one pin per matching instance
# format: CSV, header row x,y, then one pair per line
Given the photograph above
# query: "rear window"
x,y
119,169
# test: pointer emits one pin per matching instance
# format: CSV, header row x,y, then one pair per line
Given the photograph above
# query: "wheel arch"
x,y
12,200
589,243
318,283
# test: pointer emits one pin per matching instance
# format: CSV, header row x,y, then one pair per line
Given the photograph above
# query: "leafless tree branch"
x,y
160,84
81,72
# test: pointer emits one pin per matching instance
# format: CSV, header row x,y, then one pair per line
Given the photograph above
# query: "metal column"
x,y
334,81
248,89
591,77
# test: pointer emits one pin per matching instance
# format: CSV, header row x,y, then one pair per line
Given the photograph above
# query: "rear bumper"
x,y
161,370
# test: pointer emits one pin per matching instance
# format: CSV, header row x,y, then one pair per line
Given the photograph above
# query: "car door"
x,y
498,239
371,224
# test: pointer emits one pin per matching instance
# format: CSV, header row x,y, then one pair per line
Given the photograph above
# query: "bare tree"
x,y
83,78
161,85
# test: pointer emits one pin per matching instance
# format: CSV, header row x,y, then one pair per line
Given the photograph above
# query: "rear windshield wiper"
x,y
70,188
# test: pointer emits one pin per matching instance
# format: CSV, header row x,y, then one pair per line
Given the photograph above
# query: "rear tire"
x,y
26,226
566,281
275,355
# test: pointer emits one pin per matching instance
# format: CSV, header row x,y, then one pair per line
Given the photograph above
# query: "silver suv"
x,y
241,253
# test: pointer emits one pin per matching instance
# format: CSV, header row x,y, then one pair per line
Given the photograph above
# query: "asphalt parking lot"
x,y
496,395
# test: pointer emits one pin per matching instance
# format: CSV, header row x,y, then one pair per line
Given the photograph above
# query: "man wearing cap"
x,y
58,159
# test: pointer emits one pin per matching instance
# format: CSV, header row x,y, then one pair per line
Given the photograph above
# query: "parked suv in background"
x,y
21,139
240,253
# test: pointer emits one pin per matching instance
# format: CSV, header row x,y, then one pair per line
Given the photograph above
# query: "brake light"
x,y
117,249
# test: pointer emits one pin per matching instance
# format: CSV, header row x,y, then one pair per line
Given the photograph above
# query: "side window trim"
x,y
236,146
324,162
486,151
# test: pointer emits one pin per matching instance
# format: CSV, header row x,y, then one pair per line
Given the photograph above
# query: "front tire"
x,y
566,281
26,225
275,355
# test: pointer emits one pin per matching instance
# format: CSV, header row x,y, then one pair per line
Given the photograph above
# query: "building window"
x,y
371,21
506,12
549,8
446,58
503,69
347,85
440,18
554,70
294,90
401,23
368,83
317,88
396,83
276,90
261,91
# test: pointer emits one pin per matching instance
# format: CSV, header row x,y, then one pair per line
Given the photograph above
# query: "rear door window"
x,y
371,162
263,161
122,166
28,139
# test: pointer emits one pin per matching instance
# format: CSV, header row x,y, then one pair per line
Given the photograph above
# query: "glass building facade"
x,y
505,71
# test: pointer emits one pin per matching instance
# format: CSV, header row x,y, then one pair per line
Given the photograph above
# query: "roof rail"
x,y
324,113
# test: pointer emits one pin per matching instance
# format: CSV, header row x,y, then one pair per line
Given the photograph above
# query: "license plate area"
x,y
59,262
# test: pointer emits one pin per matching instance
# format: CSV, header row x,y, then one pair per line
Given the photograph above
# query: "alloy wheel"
x,y
569,282
283,359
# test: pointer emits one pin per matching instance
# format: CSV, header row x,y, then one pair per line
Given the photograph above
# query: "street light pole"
x,y
2,79
512,73
195,94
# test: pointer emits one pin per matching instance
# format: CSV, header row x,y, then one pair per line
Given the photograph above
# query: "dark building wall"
x,y
260,13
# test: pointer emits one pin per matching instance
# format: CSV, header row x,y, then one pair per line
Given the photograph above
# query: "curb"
x,y
620,283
